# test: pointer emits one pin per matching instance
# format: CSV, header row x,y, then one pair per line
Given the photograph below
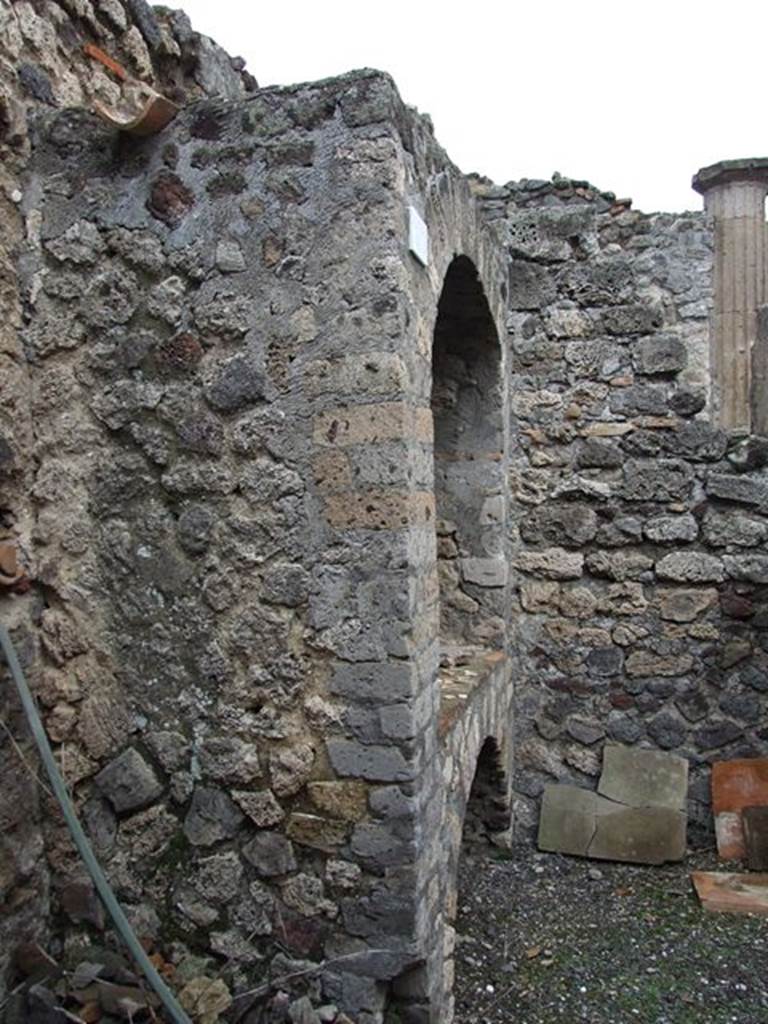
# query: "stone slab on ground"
x,y
644,778
640,835
637,814
755,821
584,824
569,819
736,784
733,893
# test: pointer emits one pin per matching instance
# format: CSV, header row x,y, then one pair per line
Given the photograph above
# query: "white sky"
x,y
634,97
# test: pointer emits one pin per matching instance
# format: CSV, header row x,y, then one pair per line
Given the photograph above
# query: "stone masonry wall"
x,y
234,532
43,67
219,549
641,575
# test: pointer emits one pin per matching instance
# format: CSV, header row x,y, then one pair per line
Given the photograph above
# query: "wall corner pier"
x,y
230,353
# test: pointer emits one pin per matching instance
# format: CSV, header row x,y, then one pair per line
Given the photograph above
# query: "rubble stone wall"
x,y
240,567
43,67
641,572
229,357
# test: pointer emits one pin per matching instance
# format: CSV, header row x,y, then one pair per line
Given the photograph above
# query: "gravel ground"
x,y
543,939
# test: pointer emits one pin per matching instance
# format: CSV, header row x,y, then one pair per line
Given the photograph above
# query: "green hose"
x,y
103,888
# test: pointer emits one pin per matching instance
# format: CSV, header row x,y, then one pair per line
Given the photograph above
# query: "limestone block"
x,y
640,835
315,831
690,567
371,424
552,563
685,605
484,572
345,801
644,778
646,663
379,510
568,819
590,824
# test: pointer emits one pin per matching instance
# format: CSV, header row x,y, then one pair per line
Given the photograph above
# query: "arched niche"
x,y
469,465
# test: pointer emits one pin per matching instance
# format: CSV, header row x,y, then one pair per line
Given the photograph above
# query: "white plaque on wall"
x,y
418,236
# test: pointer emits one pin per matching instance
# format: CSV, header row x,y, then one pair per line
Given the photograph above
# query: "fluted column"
x,y
734,195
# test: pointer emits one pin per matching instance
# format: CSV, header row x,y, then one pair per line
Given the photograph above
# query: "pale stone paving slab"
x,y
643,778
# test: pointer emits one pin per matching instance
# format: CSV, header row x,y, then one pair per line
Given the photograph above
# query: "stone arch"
x,y
481,805
487,810
456,361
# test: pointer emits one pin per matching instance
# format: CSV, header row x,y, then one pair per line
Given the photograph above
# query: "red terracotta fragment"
x,y
732,893
735,785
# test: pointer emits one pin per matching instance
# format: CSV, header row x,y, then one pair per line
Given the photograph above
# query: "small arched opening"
x,y
487,812
486,819
467,407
